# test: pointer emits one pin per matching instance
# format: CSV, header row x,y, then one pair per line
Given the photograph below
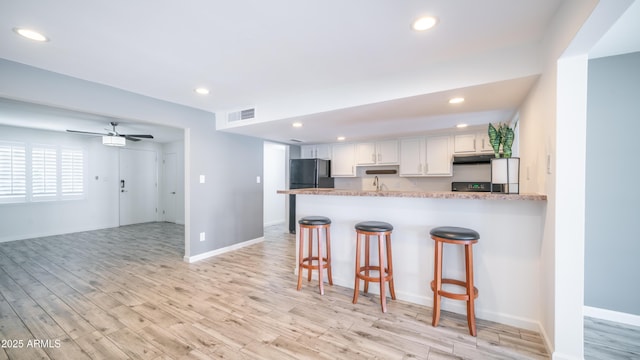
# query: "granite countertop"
x,y
416,194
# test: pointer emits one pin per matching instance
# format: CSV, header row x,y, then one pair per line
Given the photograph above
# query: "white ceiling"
x,y
352,68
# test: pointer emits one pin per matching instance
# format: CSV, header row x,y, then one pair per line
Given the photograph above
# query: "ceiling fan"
x,y
114,133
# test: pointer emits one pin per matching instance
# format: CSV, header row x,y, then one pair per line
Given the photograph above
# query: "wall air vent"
x,y
247,114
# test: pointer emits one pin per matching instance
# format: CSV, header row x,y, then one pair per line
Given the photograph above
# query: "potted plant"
x,y
504,170
503,136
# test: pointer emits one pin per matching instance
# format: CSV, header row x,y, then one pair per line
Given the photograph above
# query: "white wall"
x,y
611,250
553,120
274,179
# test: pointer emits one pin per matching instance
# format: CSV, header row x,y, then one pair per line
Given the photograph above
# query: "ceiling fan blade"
x,y
139,136
86,132
129,138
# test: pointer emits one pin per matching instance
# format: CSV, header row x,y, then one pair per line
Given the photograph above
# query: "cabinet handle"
x,y
373,157
379,157
475,148
426,168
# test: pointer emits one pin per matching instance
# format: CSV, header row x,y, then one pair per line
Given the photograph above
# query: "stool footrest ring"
x,y
364,277
451,295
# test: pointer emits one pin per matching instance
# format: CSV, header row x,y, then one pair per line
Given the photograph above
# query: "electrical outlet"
x,y
201,236
201,179
257,179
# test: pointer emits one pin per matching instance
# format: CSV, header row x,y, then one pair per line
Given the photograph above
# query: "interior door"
x,y
138,186
170,197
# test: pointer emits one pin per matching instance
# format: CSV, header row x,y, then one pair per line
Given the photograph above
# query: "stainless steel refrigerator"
x,y
303,174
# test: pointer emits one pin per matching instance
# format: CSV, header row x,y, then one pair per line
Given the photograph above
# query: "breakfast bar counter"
x,y
507,257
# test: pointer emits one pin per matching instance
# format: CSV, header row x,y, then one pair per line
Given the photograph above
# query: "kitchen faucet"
x,y
376,183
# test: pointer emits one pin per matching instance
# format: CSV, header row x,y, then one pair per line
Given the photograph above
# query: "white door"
x,y
170,197
138,186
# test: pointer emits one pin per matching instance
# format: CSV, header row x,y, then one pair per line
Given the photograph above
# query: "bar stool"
x,y
457,236
385,274
317,223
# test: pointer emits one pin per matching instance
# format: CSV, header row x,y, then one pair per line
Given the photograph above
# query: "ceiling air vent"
x,y
295,140
241,115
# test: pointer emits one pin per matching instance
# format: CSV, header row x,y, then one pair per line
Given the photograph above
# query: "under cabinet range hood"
x,y
472,159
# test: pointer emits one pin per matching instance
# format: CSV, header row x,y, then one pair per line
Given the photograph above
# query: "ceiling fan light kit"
x,y
110,140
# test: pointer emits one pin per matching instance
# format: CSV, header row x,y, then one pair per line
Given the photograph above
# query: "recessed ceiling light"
x,y
456,100
424,23
202,91
341,138
460,126
30,34
297,124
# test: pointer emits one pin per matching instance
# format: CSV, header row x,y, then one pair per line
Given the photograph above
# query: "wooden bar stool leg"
x,y
300,256
366,263
392,290
356,287
437,270
310,251
471,315
328,239
320,262
383,295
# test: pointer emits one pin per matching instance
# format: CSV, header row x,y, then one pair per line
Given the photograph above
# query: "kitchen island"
x,y
506,259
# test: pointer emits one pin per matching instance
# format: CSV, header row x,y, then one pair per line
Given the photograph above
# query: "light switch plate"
x,y
201,179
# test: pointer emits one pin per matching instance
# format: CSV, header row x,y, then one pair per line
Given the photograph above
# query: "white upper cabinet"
x,y
377,153
426,156
343,160
321,151
412,157
471,143
482,142
439,162
464,143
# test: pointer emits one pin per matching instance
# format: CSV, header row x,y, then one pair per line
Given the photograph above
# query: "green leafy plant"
x,y
503,136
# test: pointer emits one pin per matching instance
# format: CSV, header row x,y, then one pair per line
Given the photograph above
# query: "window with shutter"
x,y
13,172
72,172
44,172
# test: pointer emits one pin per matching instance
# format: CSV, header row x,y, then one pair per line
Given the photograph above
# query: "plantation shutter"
x,y
44,172
72,171
12,171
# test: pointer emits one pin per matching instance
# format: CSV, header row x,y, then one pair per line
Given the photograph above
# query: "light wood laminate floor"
x,y
125,293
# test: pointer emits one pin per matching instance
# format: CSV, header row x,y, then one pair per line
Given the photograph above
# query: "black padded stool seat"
x,y
382,231
455,233
457,236
374,226
319,262
314,220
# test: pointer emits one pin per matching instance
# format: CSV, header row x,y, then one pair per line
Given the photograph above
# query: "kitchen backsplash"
x,y
363,181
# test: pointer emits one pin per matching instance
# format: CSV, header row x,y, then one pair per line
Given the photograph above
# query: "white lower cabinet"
x,y
343,160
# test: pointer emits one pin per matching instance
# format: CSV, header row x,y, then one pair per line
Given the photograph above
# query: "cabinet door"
x,y
323,151
412,155
343,157
307,151
365,153
464,143
438,156
387,152
482,141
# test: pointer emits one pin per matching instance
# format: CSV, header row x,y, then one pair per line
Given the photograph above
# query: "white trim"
x,y
610,315
208,254
271,223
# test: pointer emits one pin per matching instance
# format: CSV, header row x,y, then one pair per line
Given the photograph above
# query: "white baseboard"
x,y
208,254
610,315
271,223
